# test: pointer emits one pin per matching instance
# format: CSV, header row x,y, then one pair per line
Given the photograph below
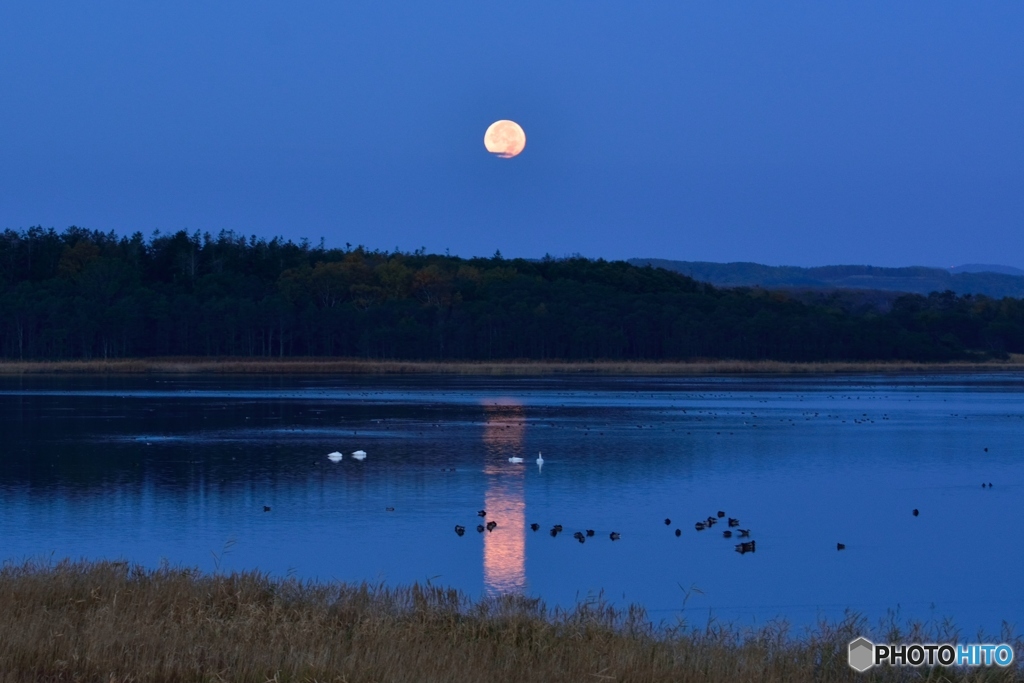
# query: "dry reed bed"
x,y
110,622
491,368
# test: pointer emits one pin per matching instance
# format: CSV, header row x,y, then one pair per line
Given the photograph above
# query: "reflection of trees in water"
x,y
505,547
90,443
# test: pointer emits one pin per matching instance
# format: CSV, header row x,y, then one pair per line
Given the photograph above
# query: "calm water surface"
x,y
180,470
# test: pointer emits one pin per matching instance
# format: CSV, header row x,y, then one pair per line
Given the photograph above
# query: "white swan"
x,y
540,459
359,455
335,456
514,460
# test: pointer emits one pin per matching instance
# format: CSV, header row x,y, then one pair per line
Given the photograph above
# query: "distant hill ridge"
x,y
990,280
986,268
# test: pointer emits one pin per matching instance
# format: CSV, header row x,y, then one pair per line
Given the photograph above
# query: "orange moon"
x,y
505,139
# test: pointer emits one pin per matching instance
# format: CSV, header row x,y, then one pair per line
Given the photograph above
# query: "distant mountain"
x,y
968,279
986,268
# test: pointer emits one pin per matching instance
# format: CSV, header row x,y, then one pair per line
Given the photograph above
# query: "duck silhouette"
x,y
590,532
840,546
481,513
721,514
492,525
727,533
266,508
699,526
614,535
744,533
667,521
557,527
535,526
916,512
479,528
459,529
579,536
733,522
678,533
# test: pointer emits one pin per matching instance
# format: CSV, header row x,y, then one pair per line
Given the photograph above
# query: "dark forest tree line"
x,y
87,294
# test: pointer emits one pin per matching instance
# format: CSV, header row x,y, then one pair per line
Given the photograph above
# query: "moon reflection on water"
x,y
504,500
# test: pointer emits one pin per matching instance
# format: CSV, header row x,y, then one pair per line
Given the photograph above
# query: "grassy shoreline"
x,y
325,366
108,621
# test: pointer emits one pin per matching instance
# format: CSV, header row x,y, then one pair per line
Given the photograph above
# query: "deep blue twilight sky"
x,y
803,133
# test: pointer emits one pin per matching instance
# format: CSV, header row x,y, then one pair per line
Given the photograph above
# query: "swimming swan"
x,y
335,456
514,460
359,455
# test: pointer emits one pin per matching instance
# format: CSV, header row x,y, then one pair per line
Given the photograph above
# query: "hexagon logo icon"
x,y
862,654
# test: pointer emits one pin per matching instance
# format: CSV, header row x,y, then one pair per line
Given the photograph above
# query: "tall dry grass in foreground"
x,y
111,622
360,366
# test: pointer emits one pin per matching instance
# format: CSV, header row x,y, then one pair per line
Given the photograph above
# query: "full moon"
x,y
505,139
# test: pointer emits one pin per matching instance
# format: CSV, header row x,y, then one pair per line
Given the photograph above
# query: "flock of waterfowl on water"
x,y
743,547
337,456
580,536
516,460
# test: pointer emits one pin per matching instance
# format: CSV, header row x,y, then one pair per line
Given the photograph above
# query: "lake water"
x,y
179,470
